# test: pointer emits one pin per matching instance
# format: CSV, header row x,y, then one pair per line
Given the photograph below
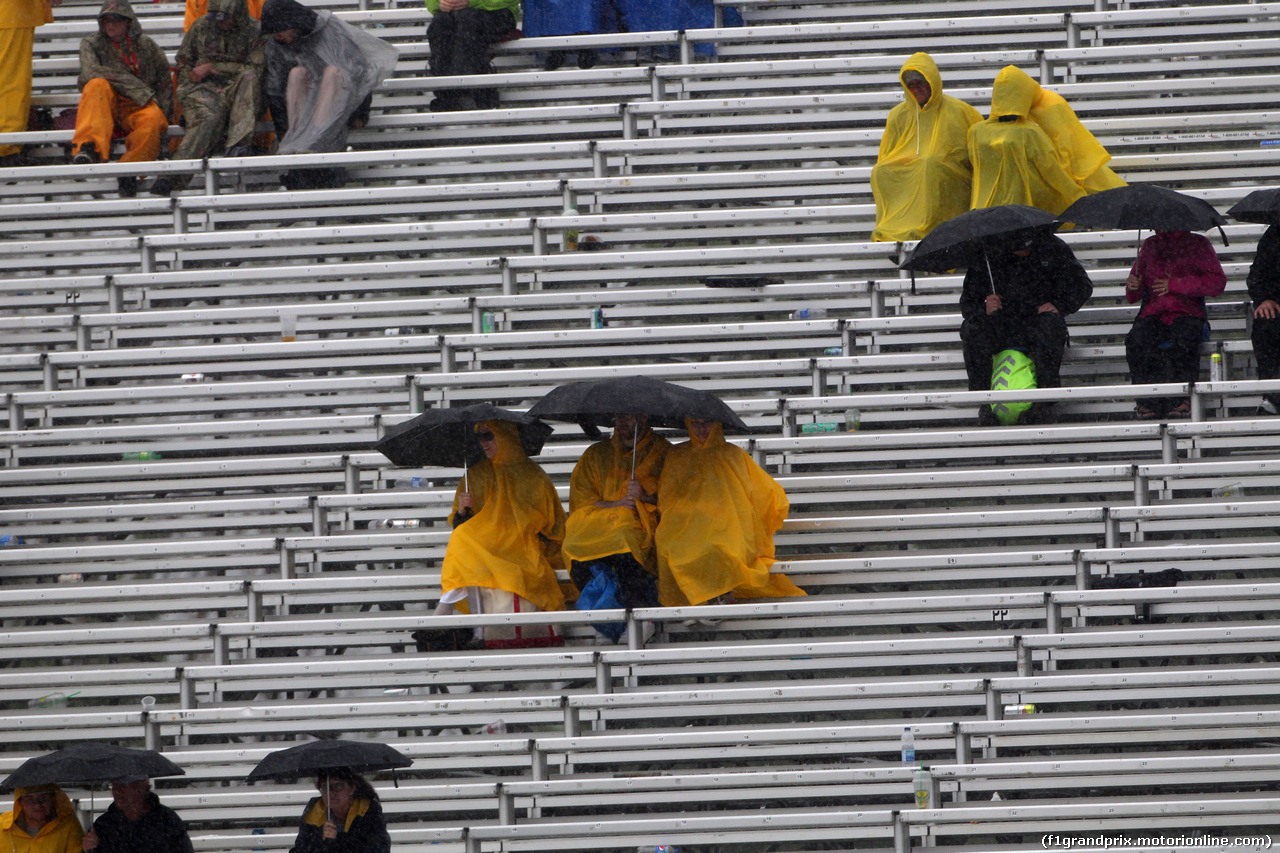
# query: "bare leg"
x,y
331,102
295,95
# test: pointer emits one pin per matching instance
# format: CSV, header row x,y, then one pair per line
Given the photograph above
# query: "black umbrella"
x,y
444,437
318,756
1258,206
663,403
1141,206
89,764
961,241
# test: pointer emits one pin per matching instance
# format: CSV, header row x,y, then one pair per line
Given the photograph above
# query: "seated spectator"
x,y
18,22
219,71
136,822
125,83
1174,272
923,176
459,36
345,818
613,511
1014,160
718,513
567,18
506,544
321,73
1086,158
196,9
43,820
1264,290
1020,299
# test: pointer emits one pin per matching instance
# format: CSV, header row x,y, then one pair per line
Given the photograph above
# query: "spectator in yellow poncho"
x,y
718,513
1033,150
1086,158
18,22
508,531
923,175
613,514
42,821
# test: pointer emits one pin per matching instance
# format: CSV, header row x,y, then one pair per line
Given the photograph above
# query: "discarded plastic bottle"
x,y
140,455
659,848
50,701
908,746
497,727
71,577
570,237
404,522
821,426
597,318
920,781
488,322
808,314
1019,710
852,420
8,539
1230,490
1217,370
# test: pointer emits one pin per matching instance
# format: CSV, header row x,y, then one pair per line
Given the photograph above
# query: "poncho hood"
x,y
125,10
923,64
281,15
238,9
1014,93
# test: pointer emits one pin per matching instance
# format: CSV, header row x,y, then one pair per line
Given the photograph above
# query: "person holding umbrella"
x,y
613,510
43,820
345,818
1263,206
1018,297
508,531
136,822
1173,274
719,511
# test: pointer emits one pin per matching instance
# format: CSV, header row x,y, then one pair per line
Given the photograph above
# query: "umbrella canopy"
x,y
315,757
663,403
1139,206
960,242
1258,206
89,764
444,437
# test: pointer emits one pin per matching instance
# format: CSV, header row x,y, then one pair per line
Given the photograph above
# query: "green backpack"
x,y
1011,370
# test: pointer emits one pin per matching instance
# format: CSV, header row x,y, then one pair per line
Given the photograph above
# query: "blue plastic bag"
x,y
601,593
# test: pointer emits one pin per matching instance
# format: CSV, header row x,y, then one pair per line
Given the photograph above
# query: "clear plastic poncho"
x,y
363,61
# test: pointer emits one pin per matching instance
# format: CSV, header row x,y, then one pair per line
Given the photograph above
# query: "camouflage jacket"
x,y
231,52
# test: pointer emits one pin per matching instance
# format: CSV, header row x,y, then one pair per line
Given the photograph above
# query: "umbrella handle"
x,y
991,278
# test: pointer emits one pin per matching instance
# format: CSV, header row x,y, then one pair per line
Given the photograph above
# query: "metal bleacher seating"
x,y
206,557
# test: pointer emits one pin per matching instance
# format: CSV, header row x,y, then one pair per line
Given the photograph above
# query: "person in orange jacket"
x,y
197,8
18,22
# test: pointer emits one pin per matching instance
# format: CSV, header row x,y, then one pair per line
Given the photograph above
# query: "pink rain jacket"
x,y
1193,269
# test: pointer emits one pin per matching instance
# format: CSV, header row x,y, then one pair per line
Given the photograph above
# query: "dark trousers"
x,y
1043,336
636,587
1150,362
1266,351
459,43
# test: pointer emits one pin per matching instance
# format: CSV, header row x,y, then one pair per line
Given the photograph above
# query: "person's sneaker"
x,y
1268,407
986,417
555,58
161,186
587,59
239,151
128,186
87,155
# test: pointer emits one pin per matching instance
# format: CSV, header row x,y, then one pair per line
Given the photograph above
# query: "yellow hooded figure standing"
x,y
18,22
923,175
719,511
508,531
42,821
1014,159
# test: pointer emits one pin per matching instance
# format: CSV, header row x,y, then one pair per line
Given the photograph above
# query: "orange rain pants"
x,y
102,109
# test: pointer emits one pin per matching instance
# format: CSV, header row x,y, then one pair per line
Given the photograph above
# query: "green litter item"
x,y
1011,370
819,427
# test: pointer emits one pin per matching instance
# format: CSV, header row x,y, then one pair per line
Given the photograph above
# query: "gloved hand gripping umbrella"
x,y
663,403
90,764
445,437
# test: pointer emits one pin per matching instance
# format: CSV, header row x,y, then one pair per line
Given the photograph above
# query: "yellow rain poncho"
x,y
922,176
62,834
602,474
719,511
513,541
1015,161
18,22
1086,158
